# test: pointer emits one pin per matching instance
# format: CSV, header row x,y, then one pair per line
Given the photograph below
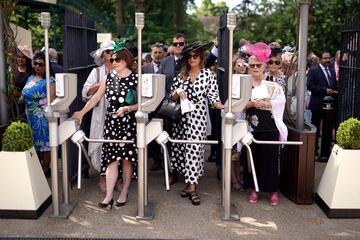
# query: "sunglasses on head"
x,y
177,44
117,59
108,51
271,62
255,65
193,56
38,64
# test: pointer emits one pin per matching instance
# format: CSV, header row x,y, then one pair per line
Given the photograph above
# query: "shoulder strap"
x,y
97,75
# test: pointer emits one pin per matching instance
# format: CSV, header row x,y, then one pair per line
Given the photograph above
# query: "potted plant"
x,y
25,190
339,188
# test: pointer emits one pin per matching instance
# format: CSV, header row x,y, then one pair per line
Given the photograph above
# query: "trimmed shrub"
x,y
348,134
17,137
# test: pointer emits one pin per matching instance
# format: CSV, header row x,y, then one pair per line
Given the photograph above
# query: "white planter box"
x,y
25,192
339,189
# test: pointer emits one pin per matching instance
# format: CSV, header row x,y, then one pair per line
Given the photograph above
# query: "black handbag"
x,y
170,109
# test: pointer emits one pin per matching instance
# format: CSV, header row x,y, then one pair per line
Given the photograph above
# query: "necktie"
x,y
177,66
328,76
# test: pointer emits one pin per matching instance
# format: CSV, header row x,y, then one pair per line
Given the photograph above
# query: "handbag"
x,y
170,109
131,97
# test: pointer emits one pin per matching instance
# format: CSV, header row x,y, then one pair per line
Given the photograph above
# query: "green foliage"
x,y
29,19
348,134
17,137
257,20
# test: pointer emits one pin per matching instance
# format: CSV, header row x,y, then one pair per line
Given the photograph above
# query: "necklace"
x,y
193,75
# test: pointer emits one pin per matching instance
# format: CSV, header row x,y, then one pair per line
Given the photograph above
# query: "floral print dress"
x,y
34,94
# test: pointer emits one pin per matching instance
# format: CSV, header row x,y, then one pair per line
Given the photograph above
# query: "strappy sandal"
x,y
185,193
194,198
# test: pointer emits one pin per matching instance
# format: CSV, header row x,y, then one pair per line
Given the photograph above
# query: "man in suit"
x,y
157,54
321,82
170,66
53,56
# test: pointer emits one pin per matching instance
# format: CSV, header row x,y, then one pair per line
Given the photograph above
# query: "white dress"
x,y
188,159
98,115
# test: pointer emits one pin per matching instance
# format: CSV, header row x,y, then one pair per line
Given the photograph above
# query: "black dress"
x,y
265,156
20,81
120,128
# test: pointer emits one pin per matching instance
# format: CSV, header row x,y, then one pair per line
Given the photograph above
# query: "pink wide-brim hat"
x,y
260,50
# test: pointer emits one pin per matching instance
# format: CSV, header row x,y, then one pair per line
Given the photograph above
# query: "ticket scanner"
x,y
66,87
152,93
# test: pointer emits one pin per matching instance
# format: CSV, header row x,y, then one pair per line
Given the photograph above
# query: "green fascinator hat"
x,y
119,45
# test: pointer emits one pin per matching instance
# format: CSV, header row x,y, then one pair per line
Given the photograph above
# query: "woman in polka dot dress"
x,y
120,123
194,83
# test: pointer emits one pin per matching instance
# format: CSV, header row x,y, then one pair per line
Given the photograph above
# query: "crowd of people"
x,y
190,77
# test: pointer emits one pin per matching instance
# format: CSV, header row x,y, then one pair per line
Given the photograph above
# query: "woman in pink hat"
x,y
264,113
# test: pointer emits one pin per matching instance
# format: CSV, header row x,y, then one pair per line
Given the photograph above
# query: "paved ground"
x,y
177,218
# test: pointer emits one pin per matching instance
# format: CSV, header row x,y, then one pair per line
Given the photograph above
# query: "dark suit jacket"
x,y
317,85
147,68
57,68
167,67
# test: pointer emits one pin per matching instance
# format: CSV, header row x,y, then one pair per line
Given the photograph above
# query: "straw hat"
x,y
26,50
105,45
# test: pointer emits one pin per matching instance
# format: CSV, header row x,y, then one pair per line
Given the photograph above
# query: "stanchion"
x,y
327,128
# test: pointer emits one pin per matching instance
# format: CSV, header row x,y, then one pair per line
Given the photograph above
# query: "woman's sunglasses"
x,y
38,64
117,59
194,56
255,65
271,62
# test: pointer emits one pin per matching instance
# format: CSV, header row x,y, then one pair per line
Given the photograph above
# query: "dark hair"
x,y
325,51
275,52
179,35
28,63
41,55
185,68
126,55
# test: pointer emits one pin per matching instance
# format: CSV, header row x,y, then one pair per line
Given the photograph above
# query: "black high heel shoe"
x,y
106,205
120,204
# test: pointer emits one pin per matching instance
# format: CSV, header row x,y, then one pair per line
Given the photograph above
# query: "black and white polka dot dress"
x,y
188,159
119,127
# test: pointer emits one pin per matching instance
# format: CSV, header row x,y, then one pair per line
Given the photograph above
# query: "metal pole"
x,y
229,120
145,210
53,129
65,167
139,23
303,35
3,105
45,22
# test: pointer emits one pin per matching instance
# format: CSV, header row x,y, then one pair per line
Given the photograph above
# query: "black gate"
x,y
349,83
79,39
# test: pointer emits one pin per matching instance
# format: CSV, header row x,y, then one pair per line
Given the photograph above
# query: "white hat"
x,y
26,50
105,45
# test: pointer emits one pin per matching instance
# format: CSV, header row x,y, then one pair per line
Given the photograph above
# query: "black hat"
x,y
194,47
